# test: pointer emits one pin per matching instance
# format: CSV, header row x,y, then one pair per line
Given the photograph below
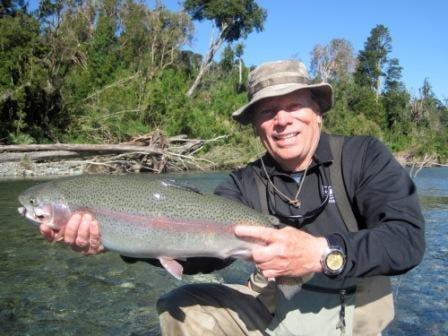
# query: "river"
x,y
46,289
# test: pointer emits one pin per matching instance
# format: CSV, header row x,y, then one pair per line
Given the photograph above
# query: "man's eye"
x,y
293,107
267,112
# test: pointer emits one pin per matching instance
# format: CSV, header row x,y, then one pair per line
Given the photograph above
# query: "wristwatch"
x,y
333,259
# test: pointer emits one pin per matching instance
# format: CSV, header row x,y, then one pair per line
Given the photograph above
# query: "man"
x,y
310,270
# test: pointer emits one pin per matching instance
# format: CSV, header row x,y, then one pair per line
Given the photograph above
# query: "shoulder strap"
x,y
261,189
337,182
374,307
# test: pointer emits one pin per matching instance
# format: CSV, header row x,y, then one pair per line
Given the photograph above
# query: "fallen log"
x,y
37,156
150,152
81,148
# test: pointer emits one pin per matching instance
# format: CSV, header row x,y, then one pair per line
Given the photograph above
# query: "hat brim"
x,y
323,93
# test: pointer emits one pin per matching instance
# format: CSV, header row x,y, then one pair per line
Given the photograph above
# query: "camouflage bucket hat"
x,y
279,78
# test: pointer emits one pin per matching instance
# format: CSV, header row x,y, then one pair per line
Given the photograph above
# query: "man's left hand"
x,y
284,252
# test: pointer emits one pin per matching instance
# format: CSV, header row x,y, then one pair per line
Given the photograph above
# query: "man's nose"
x,y
282,117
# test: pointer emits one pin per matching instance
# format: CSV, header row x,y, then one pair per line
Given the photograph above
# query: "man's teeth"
x,y
286,136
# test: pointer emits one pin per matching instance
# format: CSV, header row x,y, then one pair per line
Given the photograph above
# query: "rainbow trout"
x,y
146,217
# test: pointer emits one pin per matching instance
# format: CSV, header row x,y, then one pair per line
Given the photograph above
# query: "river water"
x,y
46,289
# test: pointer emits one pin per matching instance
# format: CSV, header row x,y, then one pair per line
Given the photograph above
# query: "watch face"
x,y
335,261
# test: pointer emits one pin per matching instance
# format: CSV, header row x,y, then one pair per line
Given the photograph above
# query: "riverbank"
x,y
40,169
29,169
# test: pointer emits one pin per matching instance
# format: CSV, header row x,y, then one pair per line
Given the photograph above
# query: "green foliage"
x,y
105,71
240,16
228,59
363,101
373,57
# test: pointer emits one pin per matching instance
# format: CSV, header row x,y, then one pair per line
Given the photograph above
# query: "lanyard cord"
x,y
295,201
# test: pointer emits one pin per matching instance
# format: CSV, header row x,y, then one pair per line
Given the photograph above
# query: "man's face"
x,y
289,128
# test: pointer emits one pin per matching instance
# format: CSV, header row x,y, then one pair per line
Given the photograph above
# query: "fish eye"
x,y
33,201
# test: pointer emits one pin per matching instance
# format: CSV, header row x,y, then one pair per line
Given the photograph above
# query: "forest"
x,y
107,71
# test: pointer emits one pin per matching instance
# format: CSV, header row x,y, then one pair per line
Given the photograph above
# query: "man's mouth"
x,y
285,136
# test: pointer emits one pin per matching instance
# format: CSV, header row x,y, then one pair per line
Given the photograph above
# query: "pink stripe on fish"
x,y
166,223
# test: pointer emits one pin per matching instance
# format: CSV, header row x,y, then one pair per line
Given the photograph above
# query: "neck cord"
x,y
295,201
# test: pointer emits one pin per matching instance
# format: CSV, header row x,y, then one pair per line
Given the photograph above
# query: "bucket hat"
x,y
279,78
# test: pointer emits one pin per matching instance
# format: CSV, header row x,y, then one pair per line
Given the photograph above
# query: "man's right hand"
x,y
81,232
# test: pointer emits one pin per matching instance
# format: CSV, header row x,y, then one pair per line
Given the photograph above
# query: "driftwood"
x,y
96,149
151,152
428,161
37,156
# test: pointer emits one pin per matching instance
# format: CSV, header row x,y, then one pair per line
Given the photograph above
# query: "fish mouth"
x,y
22,211
31,215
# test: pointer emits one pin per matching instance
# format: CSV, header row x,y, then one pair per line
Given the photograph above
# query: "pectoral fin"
x,y
172,266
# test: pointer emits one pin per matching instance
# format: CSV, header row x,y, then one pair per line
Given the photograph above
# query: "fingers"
x,y
83,233
94,245
255,234
95,241
47,232
284,252
71,229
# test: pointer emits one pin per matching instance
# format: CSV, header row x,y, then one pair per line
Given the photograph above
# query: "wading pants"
x,y
212,309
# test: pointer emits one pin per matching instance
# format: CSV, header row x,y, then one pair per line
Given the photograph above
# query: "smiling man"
x,y
349,216
323,265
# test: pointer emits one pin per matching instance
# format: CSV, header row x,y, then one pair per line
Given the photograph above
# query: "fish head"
x,y
44,204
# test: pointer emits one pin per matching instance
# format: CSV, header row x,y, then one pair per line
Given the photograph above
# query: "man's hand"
x,y
81,232
284,252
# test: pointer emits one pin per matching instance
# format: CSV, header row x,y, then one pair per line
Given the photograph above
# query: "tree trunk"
x,y
378,81
214,46
240,67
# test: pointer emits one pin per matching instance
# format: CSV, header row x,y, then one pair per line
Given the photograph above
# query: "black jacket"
x,y
383,197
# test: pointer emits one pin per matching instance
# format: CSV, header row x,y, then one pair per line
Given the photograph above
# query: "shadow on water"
x,y
48,289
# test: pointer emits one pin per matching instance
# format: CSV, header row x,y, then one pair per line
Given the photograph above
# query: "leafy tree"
x,y
228,59
151,39
235,19
363,101
102,56
372,59
21,74
334,61
395,97
12,7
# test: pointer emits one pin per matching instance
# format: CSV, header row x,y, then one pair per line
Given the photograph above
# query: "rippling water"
x,y
47,289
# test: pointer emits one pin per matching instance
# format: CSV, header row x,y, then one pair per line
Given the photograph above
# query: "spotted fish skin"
x,y
143,216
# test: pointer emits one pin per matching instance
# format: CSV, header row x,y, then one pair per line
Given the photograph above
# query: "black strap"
x,y
337,182
261,188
